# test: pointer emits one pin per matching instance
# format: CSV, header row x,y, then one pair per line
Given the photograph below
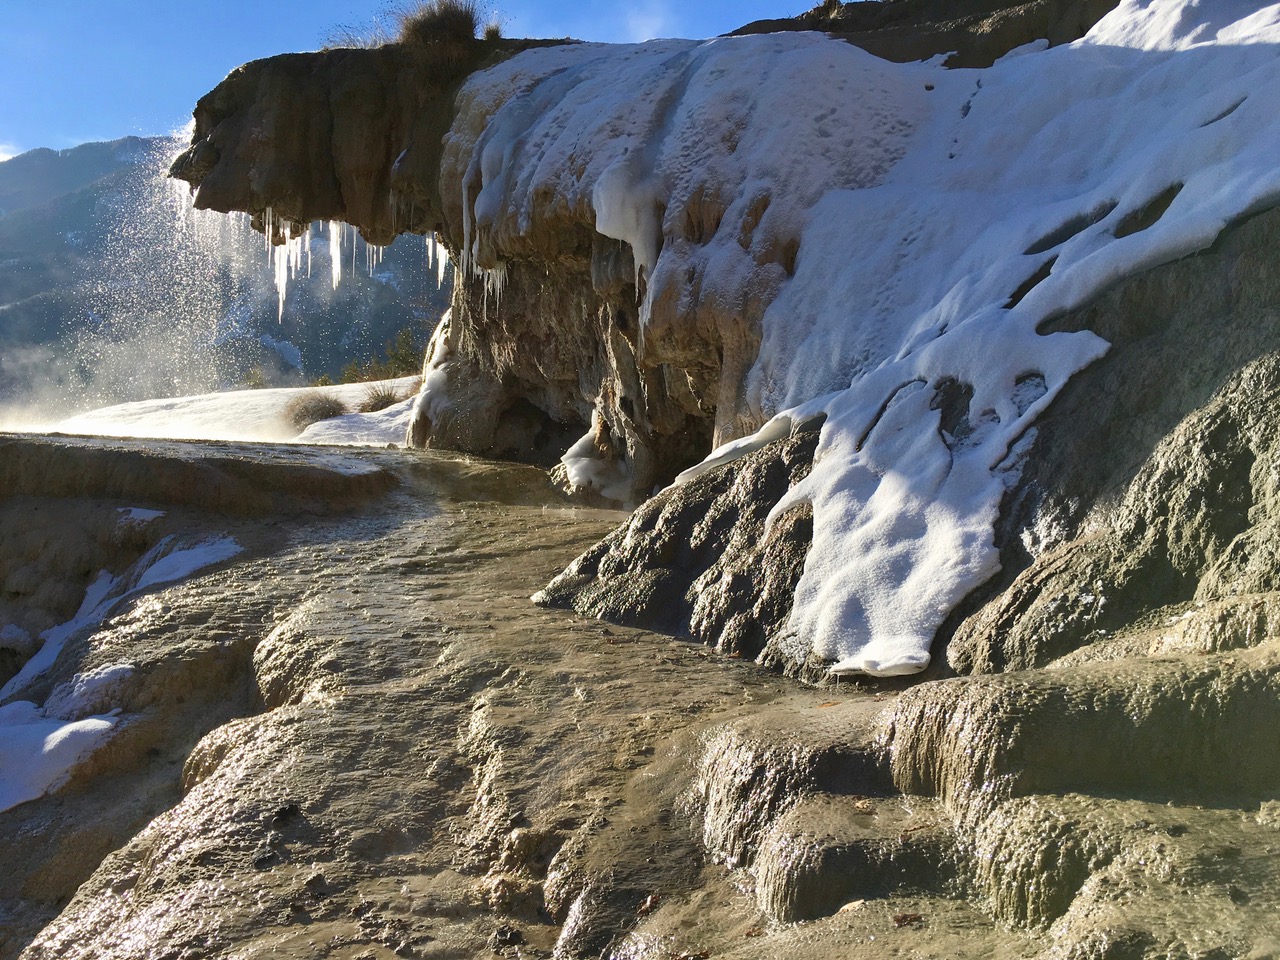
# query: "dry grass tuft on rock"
x,y
827,10
379,396
446,27
312,406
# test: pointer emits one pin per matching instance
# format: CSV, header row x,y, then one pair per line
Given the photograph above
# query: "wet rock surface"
x,y
700,560
360,739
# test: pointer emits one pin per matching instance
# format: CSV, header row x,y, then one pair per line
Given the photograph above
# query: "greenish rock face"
x,y
1150,484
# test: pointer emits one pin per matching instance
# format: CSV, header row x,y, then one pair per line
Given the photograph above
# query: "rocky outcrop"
x,y
1147,493
633,288
326,136
73,510
543,353
702,559
308,761
971,33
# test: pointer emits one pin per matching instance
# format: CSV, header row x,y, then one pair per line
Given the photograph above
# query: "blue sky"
x,y
72,71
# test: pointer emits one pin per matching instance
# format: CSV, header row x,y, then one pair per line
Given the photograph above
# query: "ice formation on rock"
x,y
588,469
908,227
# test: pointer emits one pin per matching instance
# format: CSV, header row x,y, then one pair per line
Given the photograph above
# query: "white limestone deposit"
x,y
908,225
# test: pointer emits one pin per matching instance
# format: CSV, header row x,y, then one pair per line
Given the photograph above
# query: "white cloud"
x,y
8,151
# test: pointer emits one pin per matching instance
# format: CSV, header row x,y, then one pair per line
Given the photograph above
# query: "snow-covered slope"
x,y
910,228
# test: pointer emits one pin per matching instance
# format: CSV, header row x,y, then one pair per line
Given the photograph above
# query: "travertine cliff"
x,y
661,247
556,330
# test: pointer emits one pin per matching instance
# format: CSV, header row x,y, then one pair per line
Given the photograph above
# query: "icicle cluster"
x,y
438,257
286,258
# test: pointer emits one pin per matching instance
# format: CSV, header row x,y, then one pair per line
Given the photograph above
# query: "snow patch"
x,y
41,746
379,428
38,753
85,694
182,563
137,516
166,562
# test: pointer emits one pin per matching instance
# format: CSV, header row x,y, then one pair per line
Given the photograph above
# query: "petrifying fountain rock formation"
x,y
1009,337
565,321
666,247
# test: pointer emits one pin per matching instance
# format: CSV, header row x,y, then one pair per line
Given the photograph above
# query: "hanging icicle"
x,y
335,251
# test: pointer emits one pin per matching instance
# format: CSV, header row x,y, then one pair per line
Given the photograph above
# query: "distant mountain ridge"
x,y
39,176
110,290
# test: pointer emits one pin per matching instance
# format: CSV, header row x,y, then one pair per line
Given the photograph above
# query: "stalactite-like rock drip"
x,y
345,134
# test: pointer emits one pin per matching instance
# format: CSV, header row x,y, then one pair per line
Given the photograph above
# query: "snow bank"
x,y
252,415
750,130
909,226
358,429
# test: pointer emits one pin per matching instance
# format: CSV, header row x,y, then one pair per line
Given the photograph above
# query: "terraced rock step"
x,y
360,740
827,852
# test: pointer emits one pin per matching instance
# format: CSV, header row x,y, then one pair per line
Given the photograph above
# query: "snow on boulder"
x,y
934,219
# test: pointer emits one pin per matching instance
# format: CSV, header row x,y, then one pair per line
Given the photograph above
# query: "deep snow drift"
x,y
935,219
